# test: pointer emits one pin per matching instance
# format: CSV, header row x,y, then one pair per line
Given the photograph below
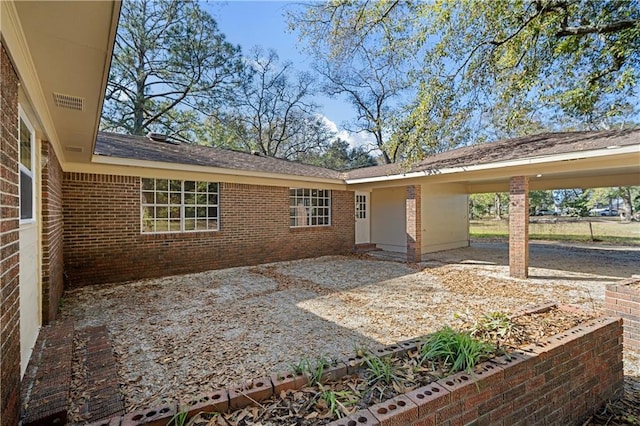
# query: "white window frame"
x,y
22,118
361,206
315,202
183,205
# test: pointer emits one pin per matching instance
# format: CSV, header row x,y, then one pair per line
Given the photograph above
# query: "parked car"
x,y
606,211
546,212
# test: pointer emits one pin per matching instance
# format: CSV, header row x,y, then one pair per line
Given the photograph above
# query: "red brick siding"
x,y
52,234
623,300
519,227
9,248
102,240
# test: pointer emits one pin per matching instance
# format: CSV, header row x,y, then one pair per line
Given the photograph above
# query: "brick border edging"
x,y
622,299
560,379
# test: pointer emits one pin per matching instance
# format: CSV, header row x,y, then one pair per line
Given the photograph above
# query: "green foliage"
x,y
171,68
456,349
314,369
179,419
476,70
381,370
339,156
338,401
492,327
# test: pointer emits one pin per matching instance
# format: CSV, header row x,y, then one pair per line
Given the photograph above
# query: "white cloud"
x,y
360,139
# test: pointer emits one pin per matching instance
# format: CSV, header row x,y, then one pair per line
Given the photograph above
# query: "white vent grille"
x,y
68,101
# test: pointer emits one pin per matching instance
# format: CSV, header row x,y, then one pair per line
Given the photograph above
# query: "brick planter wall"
x,y
623,300
561,380
102,240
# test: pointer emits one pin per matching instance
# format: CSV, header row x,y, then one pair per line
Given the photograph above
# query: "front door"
x,y
362,218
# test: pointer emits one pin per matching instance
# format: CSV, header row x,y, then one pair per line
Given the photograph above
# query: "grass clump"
x,y
456,349
381,370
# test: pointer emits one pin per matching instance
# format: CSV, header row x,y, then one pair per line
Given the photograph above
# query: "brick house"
x,y
80,207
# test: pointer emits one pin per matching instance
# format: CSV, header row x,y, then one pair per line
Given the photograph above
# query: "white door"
x,y
363,234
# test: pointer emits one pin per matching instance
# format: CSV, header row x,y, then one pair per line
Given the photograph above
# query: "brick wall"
x,y
9,252
102,240
560,380
519,227
623,300
52,234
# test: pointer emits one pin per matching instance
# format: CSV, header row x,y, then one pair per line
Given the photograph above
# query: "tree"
x,y
339,156
502,68
539,200
484,204
368,71
170,68
272,112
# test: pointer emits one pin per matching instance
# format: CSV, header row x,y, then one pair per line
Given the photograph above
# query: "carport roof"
x,y
527,147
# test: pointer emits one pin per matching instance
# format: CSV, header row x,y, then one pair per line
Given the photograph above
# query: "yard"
x,y
605,229
181,336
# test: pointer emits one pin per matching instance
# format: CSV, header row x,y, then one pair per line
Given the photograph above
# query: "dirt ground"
x,y
181,336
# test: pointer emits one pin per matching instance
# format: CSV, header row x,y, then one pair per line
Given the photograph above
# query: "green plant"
x,y
179,419
381,370
337,401
313,369
493,326
456,349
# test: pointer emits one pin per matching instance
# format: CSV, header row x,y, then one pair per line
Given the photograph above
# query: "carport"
x,y
424,208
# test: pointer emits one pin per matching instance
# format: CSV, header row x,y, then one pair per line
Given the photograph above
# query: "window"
x,y
361,206
26,137
170,205
310,207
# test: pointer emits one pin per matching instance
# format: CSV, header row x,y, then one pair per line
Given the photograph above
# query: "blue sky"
x,y
264,23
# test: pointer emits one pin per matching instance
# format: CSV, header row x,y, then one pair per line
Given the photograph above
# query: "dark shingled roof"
x,y
541,145
144,148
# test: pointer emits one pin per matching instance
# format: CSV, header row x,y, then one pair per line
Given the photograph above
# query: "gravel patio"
x,y
181,336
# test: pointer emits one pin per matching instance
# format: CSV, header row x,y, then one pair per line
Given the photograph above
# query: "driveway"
x,y
181,336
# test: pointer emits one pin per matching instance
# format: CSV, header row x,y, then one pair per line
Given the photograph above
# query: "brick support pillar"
x,y
414,223
519,227
9,246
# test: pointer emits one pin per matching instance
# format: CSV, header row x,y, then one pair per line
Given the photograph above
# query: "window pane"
x,y
175,212
213,199
189,212
162,212
162,184
147,197
212,224
25,145
162,225
213,187
202,198
175,198
201,186
175,186
212,212
147,213
189,198
147,184
162,198
201,225
147,225
189,224
26,196
189,186
202,212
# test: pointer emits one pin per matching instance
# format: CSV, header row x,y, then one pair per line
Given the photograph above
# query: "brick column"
x,y
9,248
519,227
414,223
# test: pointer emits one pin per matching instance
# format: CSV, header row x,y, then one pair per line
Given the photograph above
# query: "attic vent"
x,y
73,148
68,101
159,137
